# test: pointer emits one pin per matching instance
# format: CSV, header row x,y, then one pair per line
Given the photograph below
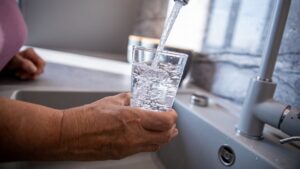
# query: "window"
x,y
188,30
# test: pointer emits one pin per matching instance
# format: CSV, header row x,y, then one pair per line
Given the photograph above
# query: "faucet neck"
x,y
270,53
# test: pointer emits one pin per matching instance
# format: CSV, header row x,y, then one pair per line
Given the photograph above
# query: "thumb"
x,y
158,121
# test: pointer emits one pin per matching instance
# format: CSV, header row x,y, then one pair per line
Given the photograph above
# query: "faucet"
x,y
259,107
184,2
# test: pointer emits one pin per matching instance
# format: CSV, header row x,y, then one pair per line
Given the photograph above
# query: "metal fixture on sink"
x,y
199,100
259,107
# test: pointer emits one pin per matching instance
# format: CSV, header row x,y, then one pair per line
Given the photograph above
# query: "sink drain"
x,y
226,155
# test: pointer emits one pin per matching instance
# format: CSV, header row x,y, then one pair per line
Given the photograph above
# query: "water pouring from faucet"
x,y
168,26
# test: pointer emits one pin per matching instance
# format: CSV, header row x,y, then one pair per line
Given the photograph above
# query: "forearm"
x,y
28,131
105,129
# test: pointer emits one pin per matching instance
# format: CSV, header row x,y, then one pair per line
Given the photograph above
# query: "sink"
x,y
206,140
60,99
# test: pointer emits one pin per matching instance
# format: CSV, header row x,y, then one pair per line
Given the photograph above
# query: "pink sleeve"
x,y
13,32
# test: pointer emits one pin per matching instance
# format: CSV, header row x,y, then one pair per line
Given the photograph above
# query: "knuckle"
x,y
124,95
29,49
173,114
135,115
172,119
24,65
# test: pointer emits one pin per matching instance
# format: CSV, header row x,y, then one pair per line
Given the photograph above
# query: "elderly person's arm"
x,y
105,129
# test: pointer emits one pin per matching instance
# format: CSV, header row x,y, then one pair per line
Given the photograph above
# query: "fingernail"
x,y
175,133
33,68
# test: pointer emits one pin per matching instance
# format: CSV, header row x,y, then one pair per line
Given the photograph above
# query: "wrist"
x,y
70,131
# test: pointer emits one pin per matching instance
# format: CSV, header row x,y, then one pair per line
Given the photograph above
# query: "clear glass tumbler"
x,y
154,87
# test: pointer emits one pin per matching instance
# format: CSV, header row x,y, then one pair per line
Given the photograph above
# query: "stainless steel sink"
x,y
207,138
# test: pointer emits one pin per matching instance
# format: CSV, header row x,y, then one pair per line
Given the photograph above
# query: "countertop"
x,y
77,76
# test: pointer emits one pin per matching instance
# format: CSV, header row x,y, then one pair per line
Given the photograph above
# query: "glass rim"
x,y
167,52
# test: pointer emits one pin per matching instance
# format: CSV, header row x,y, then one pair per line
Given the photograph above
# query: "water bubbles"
x,y
154,88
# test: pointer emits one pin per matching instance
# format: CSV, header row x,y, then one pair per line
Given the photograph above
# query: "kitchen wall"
x,y
188,30
229,36
151,18
89,25
235,35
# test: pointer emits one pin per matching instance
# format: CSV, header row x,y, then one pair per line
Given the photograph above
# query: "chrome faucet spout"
x,y
184,2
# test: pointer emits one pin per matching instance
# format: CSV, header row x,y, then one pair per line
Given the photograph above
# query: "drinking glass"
x,y
154,86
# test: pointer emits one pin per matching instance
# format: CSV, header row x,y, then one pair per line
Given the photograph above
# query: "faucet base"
x,y
244,134
258,92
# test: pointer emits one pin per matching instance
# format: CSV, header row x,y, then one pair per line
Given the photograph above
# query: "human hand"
x,y
26,65
110,129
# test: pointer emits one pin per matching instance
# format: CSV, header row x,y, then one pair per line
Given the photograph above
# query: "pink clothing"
x,y
13,31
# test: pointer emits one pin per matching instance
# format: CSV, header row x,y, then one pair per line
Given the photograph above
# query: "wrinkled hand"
x,y
26,65
111,129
